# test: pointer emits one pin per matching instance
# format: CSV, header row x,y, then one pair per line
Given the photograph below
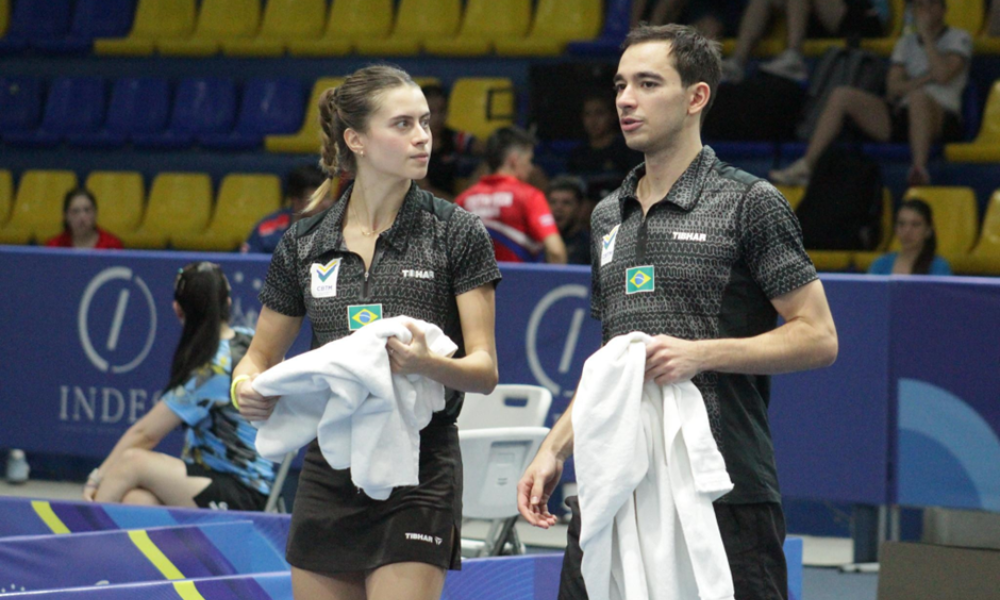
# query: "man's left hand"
x,y
670,359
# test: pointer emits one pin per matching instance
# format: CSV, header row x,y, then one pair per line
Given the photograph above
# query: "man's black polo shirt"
x,y
433,252
704,264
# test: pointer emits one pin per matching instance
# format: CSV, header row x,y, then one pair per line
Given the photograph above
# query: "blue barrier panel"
x,y
275,586
945,355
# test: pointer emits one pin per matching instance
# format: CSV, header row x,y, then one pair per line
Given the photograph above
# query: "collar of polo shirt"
x,y
686,190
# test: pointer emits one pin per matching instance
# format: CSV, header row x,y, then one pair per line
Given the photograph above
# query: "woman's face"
x,y
81,215
398,140
911,229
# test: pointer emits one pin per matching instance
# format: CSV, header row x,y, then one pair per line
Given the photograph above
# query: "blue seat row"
x,y
211,112
65,26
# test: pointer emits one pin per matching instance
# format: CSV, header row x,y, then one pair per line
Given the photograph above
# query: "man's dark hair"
x,y
302,179
696,58
433,90
503,141
569,183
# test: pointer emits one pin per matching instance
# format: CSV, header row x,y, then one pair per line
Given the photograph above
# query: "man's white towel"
x,y
647,470
345,395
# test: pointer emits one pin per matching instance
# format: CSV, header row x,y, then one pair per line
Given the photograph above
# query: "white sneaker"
x,y
789,65
732,71
796,174
17,467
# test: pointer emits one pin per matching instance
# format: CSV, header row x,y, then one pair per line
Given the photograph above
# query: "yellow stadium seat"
x,y
416,22
284,20
243,200
120,196
218,20
481,105
38,207
178,202
773,42
985,256
792,193
485,22
6,195
306,141
154,19
4,16
986,147
556,23
350,21
966,14
956,223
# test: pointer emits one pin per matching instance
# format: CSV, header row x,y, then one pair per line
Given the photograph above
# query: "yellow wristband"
x,y
232,389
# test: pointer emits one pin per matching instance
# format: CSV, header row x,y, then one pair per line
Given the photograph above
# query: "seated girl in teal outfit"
x,y
918,244
219,467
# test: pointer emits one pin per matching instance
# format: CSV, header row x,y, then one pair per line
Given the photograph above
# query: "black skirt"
x,y
338,529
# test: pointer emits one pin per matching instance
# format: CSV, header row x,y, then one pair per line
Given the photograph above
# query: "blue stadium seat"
x,y
269,106
91,19
20,104
139,106
33,20
201,105
74,105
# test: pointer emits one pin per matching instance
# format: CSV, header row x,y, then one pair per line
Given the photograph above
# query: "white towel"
x,y
345,395
647,470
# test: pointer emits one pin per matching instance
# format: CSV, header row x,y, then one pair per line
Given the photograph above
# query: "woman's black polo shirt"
x,y
433,252
705,263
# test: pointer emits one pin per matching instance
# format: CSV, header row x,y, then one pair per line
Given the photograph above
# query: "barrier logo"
x,y
360,315
548,328
102,333
640,279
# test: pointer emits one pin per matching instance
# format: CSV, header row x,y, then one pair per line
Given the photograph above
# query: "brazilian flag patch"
x,y
360,315
640,279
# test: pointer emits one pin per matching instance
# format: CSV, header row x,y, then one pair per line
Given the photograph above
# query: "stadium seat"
x,y
986,147
20,104
840,260
773,42
966,14
481,105
618,14
154,20
416,22
202,105
284,20
985,256
792,193
33,20
556,23
955,222
484,22
120,196
307,138
6,195
269,106
243,200
138,106
349,21
4,16
37,212
218,20
74,105
178,203
92,19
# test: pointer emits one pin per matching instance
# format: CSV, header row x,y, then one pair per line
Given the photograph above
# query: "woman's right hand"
x,y
253,406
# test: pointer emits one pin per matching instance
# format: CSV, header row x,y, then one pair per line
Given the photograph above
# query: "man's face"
x,y
439,113
598,118
565,208
651,100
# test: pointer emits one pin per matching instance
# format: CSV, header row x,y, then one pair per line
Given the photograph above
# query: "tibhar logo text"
x,y
103,405
690,237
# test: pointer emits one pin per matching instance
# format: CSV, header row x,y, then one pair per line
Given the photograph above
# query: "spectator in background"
x,y
923,99
830,18
603,160
917,242
571,210
516,214
715,19
299,187
80,228
448,146
219,467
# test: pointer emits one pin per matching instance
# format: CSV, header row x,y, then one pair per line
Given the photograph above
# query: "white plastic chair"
x,y
275,502
499,435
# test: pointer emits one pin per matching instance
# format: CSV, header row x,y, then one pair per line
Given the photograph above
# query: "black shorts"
x,y
226,492
338,529
951,128
753,535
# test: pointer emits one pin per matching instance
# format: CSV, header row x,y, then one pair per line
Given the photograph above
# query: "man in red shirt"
x,y
516,214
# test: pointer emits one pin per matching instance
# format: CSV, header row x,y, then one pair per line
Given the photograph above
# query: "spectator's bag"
x,y
840,66
756,109
842,206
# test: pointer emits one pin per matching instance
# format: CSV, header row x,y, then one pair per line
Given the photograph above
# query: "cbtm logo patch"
x,y
323,279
